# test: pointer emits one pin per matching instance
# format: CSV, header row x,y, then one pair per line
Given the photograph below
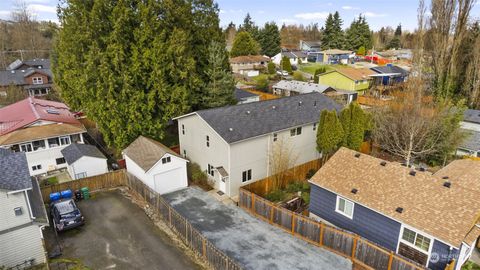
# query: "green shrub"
x,y
298,76
271,68
196,175
276,196
306,197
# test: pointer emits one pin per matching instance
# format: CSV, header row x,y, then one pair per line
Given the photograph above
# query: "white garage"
x,y
84,160
156,165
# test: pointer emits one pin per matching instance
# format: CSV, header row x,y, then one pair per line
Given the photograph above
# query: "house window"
x,y
36,167
64,140
27,147
166,160
315,126
416,239
275,137
208,141
18,211
296,131
246,175
53,142
75,138
344,207
210,170
38,145
37,80
60,161
183,129
80,175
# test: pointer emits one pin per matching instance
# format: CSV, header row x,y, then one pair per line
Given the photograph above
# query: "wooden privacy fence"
x,y
346,244
94,183
190,236
297,173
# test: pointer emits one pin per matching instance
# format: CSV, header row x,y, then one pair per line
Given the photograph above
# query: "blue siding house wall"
x,y
365,222
441,255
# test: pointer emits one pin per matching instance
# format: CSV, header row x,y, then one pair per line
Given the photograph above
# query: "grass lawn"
x,y
470,266
52,180
311,67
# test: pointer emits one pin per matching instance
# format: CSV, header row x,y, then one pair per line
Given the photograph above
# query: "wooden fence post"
x,y
271,213
170,215
321,233
293,223
253,202
204,248
354,246
390,260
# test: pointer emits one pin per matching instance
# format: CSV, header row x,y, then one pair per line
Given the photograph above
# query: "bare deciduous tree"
x,y
471,86
413,126
281,159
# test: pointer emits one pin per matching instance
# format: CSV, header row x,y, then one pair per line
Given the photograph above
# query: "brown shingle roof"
x,y
355,74
445,213
40,132
249,59
146,152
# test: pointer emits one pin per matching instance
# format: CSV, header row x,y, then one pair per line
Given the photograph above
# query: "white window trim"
x,y
342,213
39,80
400,240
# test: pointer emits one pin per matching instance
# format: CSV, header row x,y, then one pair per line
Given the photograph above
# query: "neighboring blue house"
x,y
431,219
331,56
389,74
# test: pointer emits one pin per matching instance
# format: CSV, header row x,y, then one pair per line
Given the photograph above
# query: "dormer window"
x,y
37,80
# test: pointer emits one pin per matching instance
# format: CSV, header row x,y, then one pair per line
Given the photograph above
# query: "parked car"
x,y
282,73
65,215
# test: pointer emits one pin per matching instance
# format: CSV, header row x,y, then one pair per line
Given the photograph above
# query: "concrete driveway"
x,y
250,241
119,235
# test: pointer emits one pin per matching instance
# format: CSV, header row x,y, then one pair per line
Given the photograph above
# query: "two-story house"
x,y
471,126
235,144
22,214
348,78
433,219
249,65
34,76
41,129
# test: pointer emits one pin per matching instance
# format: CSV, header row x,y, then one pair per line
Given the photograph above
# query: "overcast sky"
x,y
378,12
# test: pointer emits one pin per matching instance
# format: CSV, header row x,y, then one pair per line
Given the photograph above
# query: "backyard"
x,y
311,67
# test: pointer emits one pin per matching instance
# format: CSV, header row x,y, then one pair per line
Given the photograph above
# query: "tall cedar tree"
x,y
130,65
333,35
329,133
354,122
250,27
358,35
286,65
271,68
269,39
221,83
244,44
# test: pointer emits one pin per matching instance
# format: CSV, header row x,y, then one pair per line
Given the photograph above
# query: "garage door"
x,y
168,181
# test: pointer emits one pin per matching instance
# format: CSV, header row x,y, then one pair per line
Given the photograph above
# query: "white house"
x,y
290,88
235,144
470,125
84,160
156,165
22,214
294,57
41,129
249,65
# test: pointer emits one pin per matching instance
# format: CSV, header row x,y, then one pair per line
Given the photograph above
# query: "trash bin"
x,y
85,193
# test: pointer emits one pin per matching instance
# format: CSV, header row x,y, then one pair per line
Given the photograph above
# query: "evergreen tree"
x,y
244,44
333,35
329,133
359,34
398,30
317,72
250,27
286,65
354,122
271,68
395,42
131,70
221,86
269,39
361,51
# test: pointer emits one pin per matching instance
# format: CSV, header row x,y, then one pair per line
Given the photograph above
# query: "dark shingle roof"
x,y
36,203
390,69
472,116
243,121
241,94
472,141
75,151
17,77
14,171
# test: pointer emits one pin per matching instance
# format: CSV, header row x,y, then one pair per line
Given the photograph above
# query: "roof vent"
x,y
422,169
300,103
357,155
447,184
23,70
274,107
13,71
315,103
399,210
404,164
445,177
412,173
51,111
383,163
248,112
354,191
230,129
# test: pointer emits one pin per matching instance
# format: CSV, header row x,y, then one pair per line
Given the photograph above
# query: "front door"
x,y
222,186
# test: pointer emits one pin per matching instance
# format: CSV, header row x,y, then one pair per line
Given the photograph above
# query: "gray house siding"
x,y
366,223
22,245
441,255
